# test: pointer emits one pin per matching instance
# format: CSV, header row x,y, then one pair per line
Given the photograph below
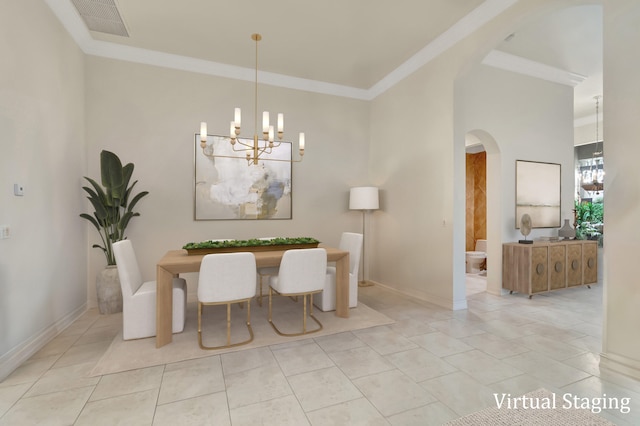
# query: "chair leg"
x,y
304,316
200,324
229,344
309,297
304,313
270,295
229,323
260,294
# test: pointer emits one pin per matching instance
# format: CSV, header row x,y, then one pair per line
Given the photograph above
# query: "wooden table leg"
x,y
342,286
164,306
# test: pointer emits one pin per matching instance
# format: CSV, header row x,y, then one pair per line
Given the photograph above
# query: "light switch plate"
x,y
18,190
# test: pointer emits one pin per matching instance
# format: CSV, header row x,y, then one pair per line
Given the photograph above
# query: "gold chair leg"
x,y
304,316
200,324
270,295
229,323
304,313
260,292
229,344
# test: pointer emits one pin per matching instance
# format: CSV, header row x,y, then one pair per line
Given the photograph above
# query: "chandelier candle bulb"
x,y
203,132
232,130
265,122
271,131
280,125
301,143
237,118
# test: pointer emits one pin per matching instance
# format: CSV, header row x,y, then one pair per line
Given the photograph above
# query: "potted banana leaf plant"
x,y
113,203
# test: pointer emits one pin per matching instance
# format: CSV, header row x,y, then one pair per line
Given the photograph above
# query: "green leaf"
x,y
123,191
98,192
92,220
124,222
136,199
112,175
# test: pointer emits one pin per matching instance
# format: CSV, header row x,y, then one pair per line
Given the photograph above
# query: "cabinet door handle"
x,y
539,268
575,264
558,266
590,262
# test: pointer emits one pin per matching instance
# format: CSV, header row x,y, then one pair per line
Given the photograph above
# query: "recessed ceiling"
x,y
355,44
569,39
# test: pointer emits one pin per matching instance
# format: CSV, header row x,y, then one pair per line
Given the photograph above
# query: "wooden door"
x,y
574,264
557,267
590,263
539,272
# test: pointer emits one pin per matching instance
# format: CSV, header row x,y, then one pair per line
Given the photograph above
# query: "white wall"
x,y
587,133
149,115
621,349
43,263
412,162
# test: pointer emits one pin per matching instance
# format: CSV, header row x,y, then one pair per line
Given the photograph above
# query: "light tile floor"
x,y
433,365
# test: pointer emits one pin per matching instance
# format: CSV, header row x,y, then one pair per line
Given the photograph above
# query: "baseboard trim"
x,y
621,364
444,303
19,354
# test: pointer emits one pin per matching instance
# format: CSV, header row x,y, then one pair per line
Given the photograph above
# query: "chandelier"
x,y
593,177
252,150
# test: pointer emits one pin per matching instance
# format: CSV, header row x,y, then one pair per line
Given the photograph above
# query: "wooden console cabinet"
x,y
547,266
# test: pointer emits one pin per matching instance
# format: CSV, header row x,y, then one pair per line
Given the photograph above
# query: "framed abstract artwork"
x,y
538,193
231,189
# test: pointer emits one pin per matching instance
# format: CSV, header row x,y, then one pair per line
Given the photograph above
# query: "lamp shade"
x,y
364,198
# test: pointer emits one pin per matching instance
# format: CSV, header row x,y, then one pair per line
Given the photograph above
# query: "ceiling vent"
x,y
101,16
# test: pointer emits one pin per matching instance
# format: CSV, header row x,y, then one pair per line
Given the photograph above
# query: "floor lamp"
x,y
364,198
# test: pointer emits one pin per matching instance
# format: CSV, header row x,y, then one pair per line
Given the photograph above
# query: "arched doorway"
x,y
492,209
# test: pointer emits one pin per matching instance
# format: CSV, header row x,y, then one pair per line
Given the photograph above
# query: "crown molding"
x,y
517,64
461,29
185,63
71,20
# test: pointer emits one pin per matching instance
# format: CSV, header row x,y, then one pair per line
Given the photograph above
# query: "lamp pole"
x,y
364,198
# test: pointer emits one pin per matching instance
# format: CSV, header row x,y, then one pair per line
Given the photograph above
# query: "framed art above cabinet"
x,y
538,193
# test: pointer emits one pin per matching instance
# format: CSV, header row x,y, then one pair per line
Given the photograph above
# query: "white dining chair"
x,y
139,297
326,301
225,279
302,273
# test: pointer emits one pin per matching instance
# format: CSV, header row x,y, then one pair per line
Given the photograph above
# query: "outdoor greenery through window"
x,y
589,220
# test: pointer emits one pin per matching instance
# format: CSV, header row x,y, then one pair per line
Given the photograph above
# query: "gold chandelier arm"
x,y
250,159
239,142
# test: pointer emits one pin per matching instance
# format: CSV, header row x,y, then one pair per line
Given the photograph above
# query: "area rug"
x,y
287,315
544,413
